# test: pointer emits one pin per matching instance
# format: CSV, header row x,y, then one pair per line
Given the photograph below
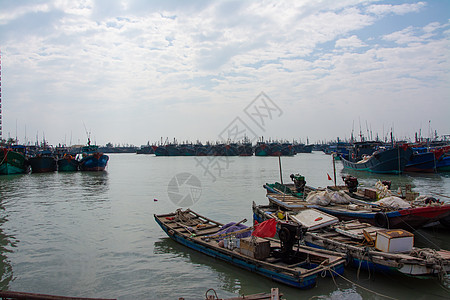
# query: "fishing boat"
x,y
443,165
43,162
91,159
384,161
13,160
284,260
67,163
366,246
423,161
341,205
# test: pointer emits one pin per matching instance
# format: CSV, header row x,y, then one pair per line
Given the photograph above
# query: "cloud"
x,y
148,65
350,43
401,9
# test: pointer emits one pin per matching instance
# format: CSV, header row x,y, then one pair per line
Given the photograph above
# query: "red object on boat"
x,y
266,229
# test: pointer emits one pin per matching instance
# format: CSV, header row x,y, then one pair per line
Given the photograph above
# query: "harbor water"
x,y
93,234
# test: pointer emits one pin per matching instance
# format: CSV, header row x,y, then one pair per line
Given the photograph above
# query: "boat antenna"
x,y
88,134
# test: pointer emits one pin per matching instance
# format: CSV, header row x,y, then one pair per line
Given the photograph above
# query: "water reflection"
x,y
6,242
94,182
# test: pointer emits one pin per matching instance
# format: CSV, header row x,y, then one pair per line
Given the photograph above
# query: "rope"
x,y
361,287
417,232
206,294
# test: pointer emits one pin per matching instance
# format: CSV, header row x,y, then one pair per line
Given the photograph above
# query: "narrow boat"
x,y
13,160
67,163
338,204
366,246
284,260
43,162
383,161
91,159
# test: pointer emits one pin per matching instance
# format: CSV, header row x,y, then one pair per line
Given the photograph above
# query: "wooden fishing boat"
x,y
67,163
391,161
13,161
282,261
92,160
368,212
13,295
369,247
44,161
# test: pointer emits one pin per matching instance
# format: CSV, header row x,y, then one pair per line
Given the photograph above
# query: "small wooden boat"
x,y
12,295
368,212
297,266
369,247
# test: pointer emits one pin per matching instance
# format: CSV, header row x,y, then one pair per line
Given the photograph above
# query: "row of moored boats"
x,y
19,159
303,233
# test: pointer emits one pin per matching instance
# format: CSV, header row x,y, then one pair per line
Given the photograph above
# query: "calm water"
x,y
93,234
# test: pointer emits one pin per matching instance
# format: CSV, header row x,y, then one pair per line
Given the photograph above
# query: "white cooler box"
x,y
394,241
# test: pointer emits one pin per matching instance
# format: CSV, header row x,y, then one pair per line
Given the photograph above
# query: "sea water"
x,y
94,235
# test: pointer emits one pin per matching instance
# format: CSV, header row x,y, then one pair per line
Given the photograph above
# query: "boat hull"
x,y
67,165
391,161
95,162
43,164
297,279
421,162
12,162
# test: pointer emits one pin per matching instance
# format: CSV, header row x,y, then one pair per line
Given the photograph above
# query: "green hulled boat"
x,y
13,160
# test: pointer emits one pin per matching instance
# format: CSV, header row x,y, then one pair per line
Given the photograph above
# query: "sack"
x,y
319,198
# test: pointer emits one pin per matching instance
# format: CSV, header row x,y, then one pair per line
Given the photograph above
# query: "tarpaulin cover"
x,y
231,227
266,229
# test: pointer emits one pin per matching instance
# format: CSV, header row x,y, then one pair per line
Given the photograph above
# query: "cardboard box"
x,y
257,248
370,193
394,241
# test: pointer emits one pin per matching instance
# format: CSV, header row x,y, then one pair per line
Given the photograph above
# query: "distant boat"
x,y
92,160
13,160
43,162
67,163
262,149
391,160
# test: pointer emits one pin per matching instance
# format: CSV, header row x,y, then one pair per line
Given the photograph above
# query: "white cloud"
x,y
350,43
401,9
148,65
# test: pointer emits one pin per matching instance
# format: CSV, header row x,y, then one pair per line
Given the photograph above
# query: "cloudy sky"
x,y
129,72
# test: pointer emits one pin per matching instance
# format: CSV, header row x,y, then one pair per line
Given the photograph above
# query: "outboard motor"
x,y
299,182
290,233
351,182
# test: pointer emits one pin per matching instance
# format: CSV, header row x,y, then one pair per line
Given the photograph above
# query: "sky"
x,y
133,72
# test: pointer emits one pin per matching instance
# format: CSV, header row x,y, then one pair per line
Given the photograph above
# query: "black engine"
x,y
351,183
290,234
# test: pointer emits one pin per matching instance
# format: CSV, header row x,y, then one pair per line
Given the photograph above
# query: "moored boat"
x,y
13,160
367,247
92,160
384,161
340,204
43,162
298,266
67,163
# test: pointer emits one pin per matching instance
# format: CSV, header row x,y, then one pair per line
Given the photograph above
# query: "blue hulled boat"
x,y
91,159
298,266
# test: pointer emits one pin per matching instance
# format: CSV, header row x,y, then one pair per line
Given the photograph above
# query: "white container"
x,y
394,241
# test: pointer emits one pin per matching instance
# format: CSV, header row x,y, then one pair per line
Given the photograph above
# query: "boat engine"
x,y
290,234
387,183
299,182
351,182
